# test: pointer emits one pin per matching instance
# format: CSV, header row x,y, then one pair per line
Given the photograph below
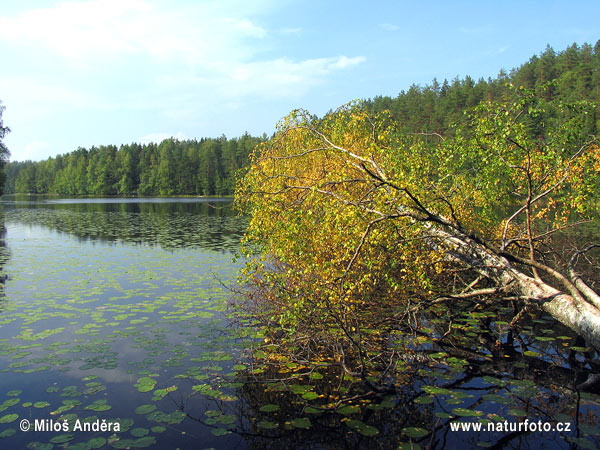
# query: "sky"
x,y
98,72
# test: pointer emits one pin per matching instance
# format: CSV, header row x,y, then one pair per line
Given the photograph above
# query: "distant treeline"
x,y
208,166
173,167
572,75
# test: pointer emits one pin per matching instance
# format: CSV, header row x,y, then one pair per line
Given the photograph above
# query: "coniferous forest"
x,y
209,166
173,167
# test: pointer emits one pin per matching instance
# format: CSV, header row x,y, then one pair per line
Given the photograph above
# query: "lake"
x,y
115,313
109,301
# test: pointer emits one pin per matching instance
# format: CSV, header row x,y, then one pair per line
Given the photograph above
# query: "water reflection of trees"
x,y
209,225
4,256
451,364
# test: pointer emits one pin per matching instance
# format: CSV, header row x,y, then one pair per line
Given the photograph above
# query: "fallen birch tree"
x,y
355,213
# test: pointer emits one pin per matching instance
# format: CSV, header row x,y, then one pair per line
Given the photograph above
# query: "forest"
x,y
173,167
209,166
395,217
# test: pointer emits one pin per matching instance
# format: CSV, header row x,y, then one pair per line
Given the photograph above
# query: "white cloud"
x,y
281,77
138,66
83,32
343,62
203,46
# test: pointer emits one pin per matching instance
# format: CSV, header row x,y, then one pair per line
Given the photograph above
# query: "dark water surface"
x,y
115,310
103,293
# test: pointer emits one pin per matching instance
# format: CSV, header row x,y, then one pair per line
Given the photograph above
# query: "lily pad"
x,y
219,431
62,438
301,422
462,412
145,409
139,432
8,418
415,432
267,425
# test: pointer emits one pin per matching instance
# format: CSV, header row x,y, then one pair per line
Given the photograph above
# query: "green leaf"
x,y
301,422
462,412
414,432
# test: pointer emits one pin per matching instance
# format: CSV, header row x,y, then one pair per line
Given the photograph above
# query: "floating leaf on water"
x,y
315,376
99,406
219,431
10,402
269,408
362,428
267,425
239,367
453,361
145,384
299,389
462,412
311,410
579,349
423,400
494,381
415,432
14,393
139,432
41,404
301,422
62,409
158,429
145,409
62,438
436,390
310,395
9,432
443,415
8,418
349,409
531,353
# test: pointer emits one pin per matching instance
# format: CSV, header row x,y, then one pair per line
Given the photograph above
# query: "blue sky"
x,y
83,73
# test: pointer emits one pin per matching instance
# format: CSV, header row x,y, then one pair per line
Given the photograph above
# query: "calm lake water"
x,y
105,295
116,310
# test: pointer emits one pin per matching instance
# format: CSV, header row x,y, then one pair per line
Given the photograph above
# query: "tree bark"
x,y
575,312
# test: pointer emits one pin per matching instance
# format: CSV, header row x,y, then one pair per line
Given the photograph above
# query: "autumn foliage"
x,y
349,214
